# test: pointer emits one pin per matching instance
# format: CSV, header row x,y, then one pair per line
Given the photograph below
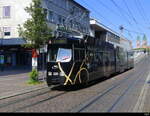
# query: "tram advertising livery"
x,y
72,61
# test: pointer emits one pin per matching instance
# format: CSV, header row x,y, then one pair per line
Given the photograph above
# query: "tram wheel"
x,y
84,77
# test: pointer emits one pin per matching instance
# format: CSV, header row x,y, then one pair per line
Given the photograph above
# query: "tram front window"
x,y
52,55
64,55
59,55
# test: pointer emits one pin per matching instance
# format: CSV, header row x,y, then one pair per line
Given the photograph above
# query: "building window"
x,y
50,16
59,19
7,31
6,11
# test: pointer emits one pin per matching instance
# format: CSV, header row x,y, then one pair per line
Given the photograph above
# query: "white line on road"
x,y
140,103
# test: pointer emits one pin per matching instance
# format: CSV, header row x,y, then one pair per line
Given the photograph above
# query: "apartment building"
x,y
64,17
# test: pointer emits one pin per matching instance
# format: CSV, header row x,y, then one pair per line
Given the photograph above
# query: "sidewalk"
x,y
14,71
15,81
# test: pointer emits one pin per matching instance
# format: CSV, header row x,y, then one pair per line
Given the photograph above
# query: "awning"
x,y
12,41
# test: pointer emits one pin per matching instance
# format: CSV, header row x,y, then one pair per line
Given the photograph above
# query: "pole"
x,y
43,66
2,56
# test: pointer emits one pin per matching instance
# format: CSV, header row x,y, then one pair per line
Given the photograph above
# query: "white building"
x,y
99,30
63,17
59,12
12,13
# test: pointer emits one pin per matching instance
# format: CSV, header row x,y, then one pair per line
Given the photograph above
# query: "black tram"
x,y
73,61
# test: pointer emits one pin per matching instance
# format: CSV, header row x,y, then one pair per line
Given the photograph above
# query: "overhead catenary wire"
x,y
111,10
120,9
143,11
99,14
140,11
133,18
134,31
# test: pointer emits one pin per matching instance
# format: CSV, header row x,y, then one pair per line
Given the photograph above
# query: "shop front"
x,y
14,56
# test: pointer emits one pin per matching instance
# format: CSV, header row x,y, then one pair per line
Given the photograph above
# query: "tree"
x,y
35,30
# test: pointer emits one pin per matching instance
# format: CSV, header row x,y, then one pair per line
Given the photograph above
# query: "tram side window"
x,y
79,55
101,58
52,55
76,55
82,54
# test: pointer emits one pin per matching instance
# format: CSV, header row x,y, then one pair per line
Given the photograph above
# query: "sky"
x,y
133,15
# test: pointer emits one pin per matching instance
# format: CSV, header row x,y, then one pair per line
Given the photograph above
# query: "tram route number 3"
x,y
1,59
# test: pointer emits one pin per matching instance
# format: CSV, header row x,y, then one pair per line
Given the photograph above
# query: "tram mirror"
x,y
64,55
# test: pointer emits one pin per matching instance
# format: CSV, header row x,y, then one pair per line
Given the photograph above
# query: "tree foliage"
x,y
35,30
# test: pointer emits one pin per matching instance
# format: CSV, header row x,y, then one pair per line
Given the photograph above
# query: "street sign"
x,y
1,59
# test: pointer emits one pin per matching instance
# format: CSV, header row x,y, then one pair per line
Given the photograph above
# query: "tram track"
x,y
21,93
41,101
52,95
91,101
24,99
126,90
133,83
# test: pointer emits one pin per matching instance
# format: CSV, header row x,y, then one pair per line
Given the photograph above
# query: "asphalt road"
x,y
126,92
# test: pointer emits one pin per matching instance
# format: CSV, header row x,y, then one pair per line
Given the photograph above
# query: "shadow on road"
x,y
79,87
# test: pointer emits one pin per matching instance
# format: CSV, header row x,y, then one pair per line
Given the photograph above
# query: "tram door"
x,y
106,64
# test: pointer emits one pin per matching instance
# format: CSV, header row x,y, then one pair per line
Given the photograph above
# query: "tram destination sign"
x,y
60,41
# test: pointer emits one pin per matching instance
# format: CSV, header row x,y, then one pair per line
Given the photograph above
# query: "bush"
x,y
33,77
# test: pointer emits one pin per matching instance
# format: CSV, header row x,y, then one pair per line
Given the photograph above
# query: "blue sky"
x,y
132,14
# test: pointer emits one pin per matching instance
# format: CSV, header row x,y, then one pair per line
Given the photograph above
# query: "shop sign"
x,y
1,59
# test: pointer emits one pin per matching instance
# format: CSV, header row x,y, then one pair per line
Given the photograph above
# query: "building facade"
x,y
12,13
104,33
64,17
67,17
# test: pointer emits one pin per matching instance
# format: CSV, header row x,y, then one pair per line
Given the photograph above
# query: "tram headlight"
x,y
49,73
62,74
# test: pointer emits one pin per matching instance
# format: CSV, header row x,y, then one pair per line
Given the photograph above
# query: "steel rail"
x,y
41,101
126,90
101,94
21,93
22,99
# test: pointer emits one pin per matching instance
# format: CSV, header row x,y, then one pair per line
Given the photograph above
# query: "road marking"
x,y
140,103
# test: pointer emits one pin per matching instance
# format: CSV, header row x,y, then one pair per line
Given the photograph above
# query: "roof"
x,y
79,5
102,27
12,41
